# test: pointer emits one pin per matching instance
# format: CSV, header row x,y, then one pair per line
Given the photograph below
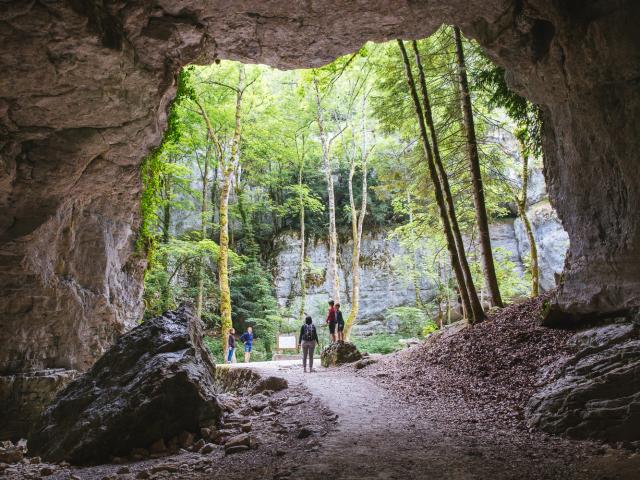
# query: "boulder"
x,y
339,353
10,453
275,384
595,394
154,383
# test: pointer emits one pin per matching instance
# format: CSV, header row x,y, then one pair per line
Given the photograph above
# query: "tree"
x,y
437,186
467,292
357,158
227,168
521,202
482,221
528,131
326,143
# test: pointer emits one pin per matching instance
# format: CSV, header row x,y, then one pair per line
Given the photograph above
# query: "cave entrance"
x,y
256,159
92,99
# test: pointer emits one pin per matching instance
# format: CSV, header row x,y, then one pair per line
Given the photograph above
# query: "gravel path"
x,y
378,435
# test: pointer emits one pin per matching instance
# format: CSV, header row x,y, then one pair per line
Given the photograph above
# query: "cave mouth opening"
x,y
282,154
92,101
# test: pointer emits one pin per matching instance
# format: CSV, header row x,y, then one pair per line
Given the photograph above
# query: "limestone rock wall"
x,y
84,90
384,286
23,397
381,287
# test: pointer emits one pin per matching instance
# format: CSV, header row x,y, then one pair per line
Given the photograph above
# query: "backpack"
x,y
307,335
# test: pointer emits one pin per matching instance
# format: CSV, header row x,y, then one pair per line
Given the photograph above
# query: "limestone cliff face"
x,y
381,287
384,286
84,90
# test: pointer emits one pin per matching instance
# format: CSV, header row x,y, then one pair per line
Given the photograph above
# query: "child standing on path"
x,y
232,345
247,339
340,323
308,340
331,320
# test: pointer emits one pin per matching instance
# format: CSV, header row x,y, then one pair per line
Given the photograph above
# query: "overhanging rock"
x,y
154,383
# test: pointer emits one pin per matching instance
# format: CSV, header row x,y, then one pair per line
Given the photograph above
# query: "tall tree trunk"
x,y
357,223
223,257
214,197
204,209
303,269
166,235
491,280
437,187
332,270
522,212
476,312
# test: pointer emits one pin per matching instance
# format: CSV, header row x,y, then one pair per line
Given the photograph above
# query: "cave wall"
x,y
84,92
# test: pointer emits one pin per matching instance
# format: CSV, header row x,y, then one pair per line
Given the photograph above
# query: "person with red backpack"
x,y
331,321
308,340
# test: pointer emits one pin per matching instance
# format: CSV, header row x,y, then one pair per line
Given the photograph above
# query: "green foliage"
x,y
411,320
429,327
214,344
379,343
254,304
366,109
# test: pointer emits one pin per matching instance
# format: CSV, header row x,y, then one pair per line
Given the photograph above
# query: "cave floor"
x,y
379,435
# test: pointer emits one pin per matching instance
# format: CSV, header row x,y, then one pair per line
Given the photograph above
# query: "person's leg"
x,y
311,348
230,355
305,352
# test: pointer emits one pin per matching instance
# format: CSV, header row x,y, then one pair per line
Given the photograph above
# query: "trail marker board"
x,y
287,342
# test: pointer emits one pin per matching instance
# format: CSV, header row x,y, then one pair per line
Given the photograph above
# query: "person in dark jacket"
x,y
247,339
232,345
340,323
308,340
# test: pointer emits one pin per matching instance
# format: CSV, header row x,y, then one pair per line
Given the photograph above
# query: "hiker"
x,y
247,339
232,345
340,323
308,340
331,320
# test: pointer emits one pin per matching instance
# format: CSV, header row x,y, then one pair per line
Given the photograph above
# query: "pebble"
x,y
208,448
242,439
46,471
165,467
236,449
198,445
123,470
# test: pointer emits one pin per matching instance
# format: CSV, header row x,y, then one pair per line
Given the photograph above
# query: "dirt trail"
x,y
378,436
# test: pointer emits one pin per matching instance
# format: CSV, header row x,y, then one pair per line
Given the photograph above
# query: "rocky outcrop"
x,y
339,353
596,392
24,396
153,384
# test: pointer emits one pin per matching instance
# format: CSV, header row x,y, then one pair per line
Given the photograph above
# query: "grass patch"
x,y
379,343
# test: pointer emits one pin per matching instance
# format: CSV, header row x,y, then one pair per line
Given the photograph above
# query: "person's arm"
x,y
243,338
315,335
301,334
